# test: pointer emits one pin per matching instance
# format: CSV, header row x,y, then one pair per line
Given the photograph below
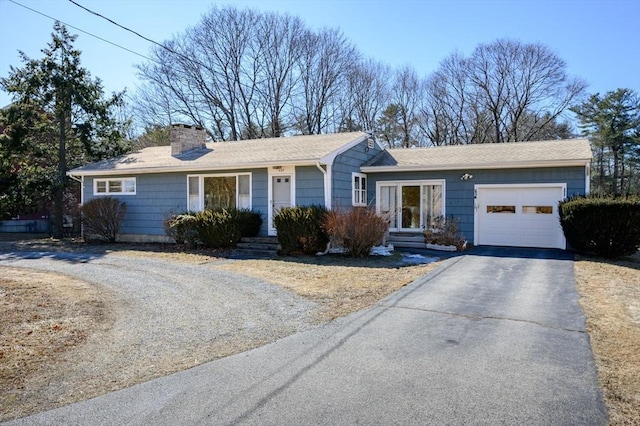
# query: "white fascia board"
x,y
190,169
477,166
330,157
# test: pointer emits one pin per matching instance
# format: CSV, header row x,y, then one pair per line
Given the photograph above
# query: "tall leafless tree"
x,y
504,91
282,36
367,94
325,60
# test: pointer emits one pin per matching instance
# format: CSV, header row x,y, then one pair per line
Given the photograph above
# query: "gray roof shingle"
x,y
227,155
499,155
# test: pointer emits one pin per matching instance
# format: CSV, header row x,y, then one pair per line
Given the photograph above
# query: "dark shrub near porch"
x,y
300,231
219,228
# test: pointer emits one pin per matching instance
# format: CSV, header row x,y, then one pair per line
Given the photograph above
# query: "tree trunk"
x,y
64,109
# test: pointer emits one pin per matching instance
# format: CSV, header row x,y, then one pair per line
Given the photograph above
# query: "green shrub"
x,y
605,226
221,228
358,229
102,217
299,229
182,228
249,221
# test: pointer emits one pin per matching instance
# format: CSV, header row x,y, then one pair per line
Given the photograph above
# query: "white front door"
x,y
281,196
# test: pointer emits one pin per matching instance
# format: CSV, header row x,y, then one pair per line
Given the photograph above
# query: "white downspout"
x,y
81,180
327,184
327,197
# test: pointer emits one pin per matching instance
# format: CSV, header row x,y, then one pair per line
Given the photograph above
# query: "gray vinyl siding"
x,y
343,167
309,186
459,195
159,196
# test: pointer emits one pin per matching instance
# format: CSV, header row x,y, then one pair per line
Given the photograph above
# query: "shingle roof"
x,y
228,155
500,155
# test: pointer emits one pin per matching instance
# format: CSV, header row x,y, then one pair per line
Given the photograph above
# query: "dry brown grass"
x,y
44,315
341,287
610,299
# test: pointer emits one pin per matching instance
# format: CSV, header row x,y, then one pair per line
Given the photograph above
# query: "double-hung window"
x,y
116,186
359,189
208,192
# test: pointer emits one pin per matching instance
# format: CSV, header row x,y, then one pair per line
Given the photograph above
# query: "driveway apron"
x,y
492,337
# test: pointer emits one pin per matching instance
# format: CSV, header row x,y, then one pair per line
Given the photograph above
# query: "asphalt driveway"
x,y
492,337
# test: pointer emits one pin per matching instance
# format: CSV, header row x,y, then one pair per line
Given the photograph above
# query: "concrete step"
x,y
409,244
406,238
252,254
258,246
260,240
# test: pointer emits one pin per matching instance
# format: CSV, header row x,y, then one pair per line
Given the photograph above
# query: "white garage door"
x,y
519,216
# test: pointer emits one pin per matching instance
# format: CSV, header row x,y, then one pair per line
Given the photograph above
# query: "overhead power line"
x,y
82,31
118,25
185,57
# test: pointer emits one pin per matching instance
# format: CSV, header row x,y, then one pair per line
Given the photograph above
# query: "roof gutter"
x,y
477,166
192,169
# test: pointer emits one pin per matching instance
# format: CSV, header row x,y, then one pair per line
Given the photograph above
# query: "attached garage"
x,y
502,194
519,215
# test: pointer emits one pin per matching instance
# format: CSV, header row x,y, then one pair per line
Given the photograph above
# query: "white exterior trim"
x,y
330,157
193,169
107,192
201,186
282,171
476,166
353,189
476,206
587,179
398,184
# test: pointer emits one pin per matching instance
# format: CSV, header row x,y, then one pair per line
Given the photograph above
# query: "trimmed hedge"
x,y
220,228
605,226
300,231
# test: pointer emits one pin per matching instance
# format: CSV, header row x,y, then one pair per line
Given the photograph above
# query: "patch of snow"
x,y
382,250
417,259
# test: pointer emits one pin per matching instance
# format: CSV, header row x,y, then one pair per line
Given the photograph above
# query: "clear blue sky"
x,y
599,39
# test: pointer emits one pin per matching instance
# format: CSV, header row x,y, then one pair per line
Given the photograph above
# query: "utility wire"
x,y
83,31
121,26
185,57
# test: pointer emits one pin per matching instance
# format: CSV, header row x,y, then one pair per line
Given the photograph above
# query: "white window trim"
x,y
400,183
108,192
363,198
201,186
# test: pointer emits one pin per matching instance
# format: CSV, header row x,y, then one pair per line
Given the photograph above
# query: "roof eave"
x,y
479,166
189,169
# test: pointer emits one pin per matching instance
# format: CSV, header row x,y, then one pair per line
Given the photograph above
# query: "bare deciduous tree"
x,y
367,94
326,57
505,91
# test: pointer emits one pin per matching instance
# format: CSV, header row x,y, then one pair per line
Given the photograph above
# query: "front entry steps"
x,y
406,240
256,247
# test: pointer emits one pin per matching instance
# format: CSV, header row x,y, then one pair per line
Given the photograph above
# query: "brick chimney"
x,y
184,138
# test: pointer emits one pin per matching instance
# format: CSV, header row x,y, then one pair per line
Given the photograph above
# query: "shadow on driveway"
x,y
495,251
